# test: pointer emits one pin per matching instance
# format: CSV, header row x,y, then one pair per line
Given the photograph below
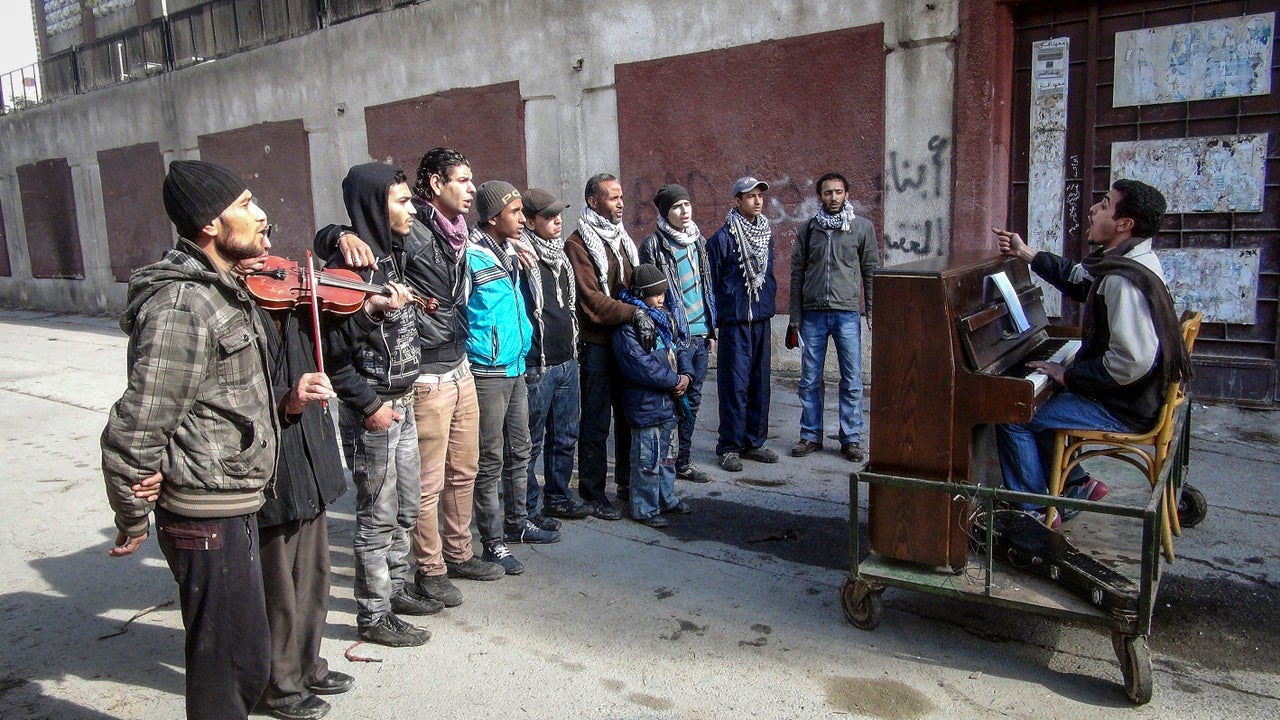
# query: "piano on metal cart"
x,y
949,363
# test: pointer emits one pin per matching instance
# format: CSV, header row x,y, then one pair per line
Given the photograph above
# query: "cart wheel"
x,y
1135,665
862,603
1192,507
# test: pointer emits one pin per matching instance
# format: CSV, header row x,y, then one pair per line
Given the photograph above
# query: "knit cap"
x,y
196,192
667,196
647,280
492,196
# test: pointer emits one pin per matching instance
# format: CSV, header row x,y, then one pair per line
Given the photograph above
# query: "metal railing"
x,y
214,29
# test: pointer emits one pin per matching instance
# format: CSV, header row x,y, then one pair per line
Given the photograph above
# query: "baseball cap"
x,y
747,184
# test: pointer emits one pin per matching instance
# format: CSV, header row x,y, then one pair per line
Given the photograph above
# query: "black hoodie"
x,y
371,360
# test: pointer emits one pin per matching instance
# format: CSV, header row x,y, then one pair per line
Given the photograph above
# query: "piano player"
x,y
1131,344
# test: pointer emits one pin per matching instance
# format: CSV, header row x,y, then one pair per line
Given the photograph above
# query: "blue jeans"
x,y
553,429
1026,449
845,326
601,398
699,347
653,469
384,468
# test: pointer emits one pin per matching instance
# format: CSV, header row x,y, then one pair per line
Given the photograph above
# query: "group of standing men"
x,y
483,350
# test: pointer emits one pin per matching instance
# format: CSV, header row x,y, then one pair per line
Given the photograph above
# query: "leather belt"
x,y
463,370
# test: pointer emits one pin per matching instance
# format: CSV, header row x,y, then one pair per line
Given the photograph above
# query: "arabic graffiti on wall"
x,y
1221,283
1194,61
1222,173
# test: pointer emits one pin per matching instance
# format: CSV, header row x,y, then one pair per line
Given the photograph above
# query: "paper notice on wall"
x,y
1047,176
1223,58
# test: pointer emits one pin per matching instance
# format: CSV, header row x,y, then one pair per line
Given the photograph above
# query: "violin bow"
x,y
315,319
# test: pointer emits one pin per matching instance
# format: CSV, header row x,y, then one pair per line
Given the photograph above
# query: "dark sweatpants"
x,y
216,564
601,398
742,381
295,576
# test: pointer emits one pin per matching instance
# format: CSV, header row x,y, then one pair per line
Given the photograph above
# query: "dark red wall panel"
x,y
49,209
785,111
275,161
5,270
486,124
138,230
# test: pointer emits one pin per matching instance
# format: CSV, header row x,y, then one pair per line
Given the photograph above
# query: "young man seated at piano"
x,y
1131,343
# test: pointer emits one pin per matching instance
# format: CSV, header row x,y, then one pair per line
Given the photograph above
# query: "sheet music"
x,y
1011,300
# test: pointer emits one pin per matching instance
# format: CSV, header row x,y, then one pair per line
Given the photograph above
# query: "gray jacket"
x,y
831,269
198,407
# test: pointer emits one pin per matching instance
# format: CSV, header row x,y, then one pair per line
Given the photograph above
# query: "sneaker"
x,y
680,508
1091,490
730,461
805,447
692,474
655,521
760,454
500,554
530,534
544,522
1039,515
438,587
852,452
570,511
391,631
407,601
606,511
475,569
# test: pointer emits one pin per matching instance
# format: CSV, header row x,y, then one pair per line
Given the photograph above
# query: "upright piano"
x,y
948,364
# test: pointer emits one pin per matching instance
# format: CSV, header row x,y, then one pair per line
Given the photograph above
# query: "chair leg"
x,y
1057,475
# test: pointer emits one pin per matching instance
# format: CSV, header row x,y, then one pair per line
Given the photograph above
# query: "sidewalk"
x,y
732,612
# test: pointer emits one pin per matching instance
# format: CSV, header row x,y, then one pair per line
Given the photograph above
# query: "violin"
x,y
282,284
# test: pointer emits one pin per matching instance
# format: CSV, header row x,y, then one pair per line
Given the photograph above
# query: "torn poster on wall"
x,y
1194,61
1048,150
1221,283
1222,173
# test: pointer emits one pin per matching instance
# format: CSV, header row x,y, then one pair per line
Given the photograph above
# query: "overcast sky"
x,y
17,39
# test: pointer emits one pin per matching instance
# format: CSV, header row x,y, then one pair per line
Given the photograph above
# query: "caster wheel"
x,y
862,604
1192,507
1135,666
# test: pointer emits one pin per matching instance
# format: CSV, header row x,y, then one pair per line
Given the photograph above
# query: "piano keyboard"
x,y
1063,355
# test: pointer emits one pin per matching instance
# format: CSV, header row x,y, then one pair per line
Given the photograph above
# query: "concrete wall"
x,y
561,52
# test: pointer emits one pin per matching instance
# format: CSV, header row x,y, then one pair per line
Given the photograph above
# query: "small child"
x,y
654,383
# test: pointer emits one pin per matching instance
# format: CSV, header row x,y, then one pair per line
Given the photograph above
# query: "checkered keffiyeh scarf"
x,y
842,220
683,238
550,252
754,239
599,233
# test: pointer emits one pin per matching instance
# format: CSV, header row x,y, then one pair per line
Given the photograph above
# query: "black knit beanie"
x,y
492,197
667,196
196,192
647,280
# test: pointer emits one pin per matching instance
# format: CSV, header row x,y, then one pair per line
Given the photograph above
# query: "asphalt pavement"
x,y
731,612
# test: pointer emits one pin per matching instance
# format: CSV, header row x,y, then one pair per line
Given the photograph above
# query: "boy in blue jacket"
x,y
654,385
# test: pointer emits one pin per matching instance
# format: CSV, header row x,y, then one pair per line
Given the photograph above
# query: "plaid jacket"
x,y
199,405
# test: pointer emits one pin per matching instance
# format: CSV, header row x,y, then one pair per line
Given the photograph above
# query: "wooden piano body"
x,y
943,336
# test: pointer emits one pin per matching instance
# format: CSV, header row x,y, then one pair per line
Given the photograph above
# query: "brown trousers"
x,y
448,420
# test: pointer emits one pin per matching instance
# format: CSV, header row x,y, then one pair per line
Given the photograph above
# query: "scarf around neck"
x,y
1175,361
661,319
754,239
599,233
550,253
455,231
683,238
842,220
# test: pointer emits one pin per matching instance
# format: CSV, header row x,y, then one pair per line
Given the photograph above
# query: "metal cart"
x,y
999,584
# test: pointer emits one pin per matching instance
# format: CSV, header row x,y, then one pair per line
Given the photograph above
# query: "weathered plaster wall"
x,y
562,54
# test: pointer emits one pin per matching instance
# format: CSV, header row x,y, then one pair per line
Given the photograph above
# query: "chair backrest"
x,y
1177,392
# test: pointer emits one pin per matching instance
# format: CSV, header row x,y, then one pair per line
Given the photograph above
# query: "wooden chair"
x,y
1148,451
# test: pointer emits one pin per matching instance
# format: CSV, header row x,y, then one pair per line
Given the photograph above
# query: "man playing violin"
x,y
194,436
